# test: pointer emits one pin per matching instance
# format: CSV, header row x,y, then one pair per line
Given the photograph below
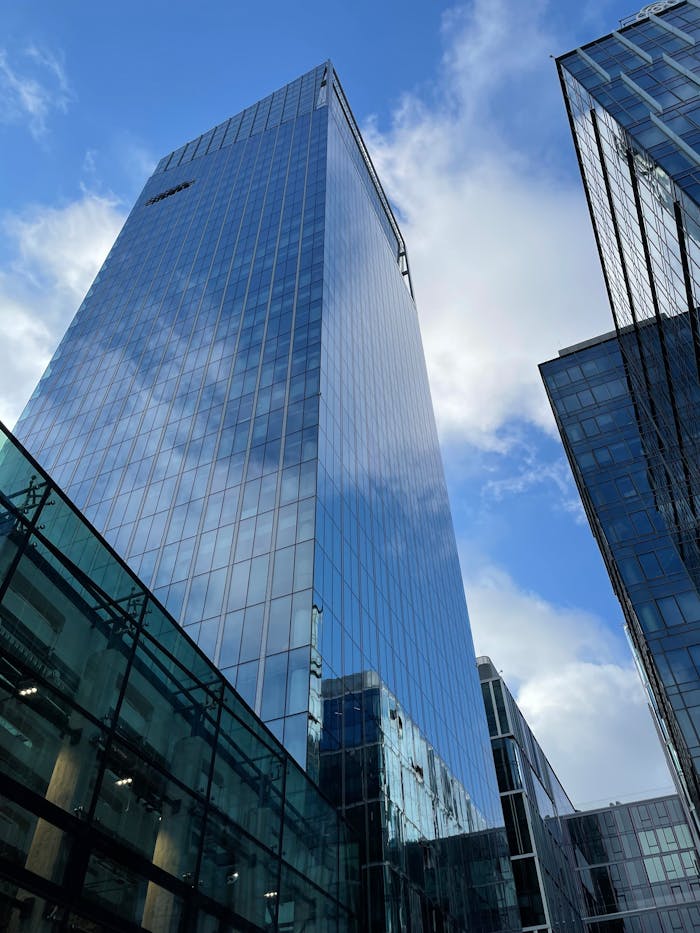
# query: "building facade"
x,y
379,769
633,100
636,867
630,427
241,407
137,791
534,805
624,868
605,441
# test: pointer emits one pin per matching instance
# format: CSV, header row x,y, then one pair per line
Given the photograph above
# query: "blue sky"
x,y
461,108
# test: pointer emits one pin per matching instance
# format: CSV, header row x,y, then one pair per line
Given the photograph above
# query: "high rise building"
x,y
628,406
606,443
241,407
633,99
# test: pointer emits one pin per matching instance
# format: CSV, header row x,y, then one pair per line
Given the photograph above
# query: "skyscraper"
x,y
627,406
633,99
606,443
241,406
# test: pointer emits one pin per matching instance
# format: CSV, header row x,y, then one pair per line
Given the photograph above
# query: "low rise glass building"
x,y
138,791
428,855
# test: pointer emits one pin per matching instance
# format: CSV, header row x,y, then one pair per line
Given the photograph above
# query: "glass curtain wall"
x,y
138,791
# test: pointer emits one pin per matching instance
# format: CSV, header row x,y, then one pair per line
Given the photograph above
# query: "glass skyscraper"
x,y
607,443
628,407
241,406
633,99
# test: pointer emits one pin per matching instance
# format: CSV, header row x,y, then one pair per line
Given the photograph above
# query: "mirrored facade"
x,y
241,406
606,440
636,867
436,863
138,792
634,104
631,427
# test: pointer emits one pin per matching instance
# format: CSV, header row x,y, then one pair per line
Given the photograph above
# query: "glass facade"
x,y
534,803
636,867
606,443
435,865
181,410
241,406
138,791
634,105
631,427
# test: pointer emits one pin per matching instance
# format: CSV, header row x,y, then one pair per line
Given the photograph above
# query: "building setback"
x,y
241,407
628,408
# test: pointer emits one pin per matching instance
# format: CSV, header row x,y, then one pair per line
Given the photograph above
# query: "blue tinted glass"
x,y
241,405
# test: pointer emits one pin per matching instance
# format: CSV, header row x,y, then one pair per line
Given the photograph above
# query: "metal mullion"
x,y
210,781
586,190
78,860
285,764
662,335
111,730
688,282
623,267
84,579
635,323
31,527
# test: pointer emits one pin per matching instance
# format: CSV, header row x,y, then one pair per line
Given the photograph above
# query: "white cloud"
x,y
593,723
533,471
63,248
126,158
32,87
575,682
57,254
500,245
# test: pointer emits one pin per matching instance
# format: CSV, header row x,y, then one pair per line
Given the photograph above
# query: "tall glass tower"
x,y
633,99
241,406
607,442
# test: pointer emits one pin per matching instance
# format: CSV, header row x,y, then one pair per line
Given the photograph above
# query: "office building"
x,y
534,803
606,443
241,407
137,791
636,867
624,868
627,407
633,99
